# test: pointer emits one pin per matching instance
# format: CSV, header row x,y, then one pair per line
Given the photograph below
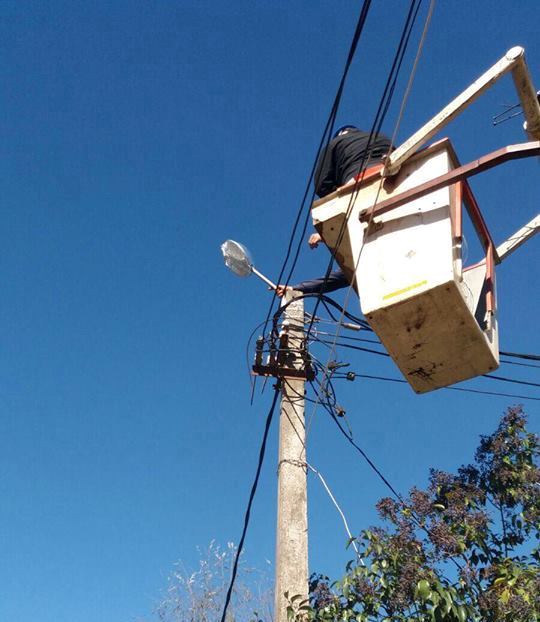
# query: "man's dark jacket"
x,y
343,159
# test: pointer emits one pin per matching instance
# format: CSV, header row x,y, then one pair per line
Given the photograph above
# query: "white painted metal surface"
x,y
520,237
513,60
406,268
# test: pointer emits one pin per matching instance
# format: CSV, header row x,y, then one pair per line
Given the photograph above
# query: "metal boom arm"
x,y
513,60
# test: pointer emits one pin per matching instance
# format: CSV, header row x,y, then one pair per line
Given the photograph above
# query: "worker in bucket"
x,y
347,153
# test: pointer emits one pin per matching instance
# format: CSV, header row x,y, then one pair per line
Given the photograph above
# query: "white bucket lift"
x,y
397,235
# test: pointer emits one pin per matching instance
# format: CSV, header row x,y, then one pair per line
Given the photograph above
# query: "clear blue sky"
x,y
135,137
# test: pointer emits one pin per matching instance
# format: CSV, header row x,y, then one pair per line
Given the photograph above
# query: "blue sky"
x,y
136,137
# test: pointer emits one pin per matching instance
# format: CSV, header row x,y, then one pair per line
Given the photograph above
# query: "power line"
x,y
503,379
366,458
380,115
325,138
351,347
530,357
250,502
521,364
401,381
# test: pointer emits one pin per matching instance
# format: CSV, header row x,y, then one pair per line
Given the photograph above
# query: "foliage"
x,y
198,596
465,549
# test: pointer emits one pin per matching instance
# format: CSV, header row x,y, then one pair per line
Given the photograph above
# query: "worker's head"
x,y
343,130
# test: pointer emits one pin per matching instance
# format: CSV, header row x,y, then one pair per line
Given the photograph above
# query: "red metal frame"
x,y
464,196
511,152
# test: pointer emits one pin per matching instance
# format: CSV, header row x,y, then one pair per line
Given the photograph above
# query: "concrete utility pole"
x,y
291,536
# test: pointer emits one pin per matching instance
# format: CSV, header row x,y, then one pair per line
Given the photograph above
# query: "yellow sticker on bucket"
x,y
405,289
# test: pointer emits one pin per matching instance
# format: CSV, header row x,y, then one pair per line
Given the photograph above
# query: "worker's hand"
x,y
280,290
314,240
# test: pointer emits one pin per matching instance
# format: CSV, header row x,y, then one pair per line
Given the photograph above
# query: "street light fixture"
x,y
238,259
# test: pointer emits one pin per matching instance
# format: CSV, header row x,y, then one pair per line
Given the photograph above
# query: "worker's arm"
x,y
336,280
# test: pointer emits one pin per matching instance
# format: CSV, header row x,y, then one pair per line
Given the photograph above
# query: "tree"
x,y
463,550
198,595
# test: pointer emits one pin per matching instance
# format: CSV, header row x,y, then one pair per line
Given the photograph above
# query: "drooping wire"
x,y
462,389
351,440
528,357
514,381
325,299
250,502
325,140
380,115
520,364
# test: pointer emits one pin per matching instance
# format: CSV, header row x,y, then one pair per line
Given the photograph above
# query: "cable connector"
x,y
333,365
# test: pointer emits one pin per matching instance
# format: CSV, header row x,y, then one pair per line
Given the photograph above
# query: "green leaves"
x,y
447,553
423,591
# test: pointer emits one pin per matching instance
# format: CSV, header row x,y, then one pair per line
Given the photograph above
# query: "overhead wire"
x,y
520,364
247,515
401,48
528,357
380,115
370,462
379,118
325,139
462,389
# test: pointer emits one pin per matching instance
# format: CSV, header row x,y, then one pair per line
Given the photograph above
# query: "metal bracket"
x,y
511,152
284,372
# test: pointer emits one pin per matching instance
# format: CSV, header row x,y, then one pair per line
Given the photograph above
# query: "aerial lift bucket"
x,y
397,233
437,321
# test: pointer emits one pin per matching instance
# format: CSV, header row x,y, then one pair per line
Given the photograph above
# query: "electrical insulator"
x,y
259,350
272,357
283,348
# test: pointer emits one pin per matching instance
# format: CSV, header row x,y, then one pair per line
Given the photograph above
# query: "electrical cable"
x,y
250,502
325,139
494,393
521,364
248,345
375,128
528,357
351,347
367,458
381,113
503,379
326,299
360,339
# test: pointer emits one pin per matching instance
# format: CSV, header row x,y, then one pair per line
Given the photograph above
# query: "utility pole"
x,y
292,536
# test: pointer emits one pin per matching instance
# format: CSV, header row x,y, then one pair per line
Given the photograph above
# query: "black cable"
x,y
248,345
325,138
503,379
529,357
351,347
250,502
349,338
401,381
332,117
326,299
366,458
377,124
521,364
